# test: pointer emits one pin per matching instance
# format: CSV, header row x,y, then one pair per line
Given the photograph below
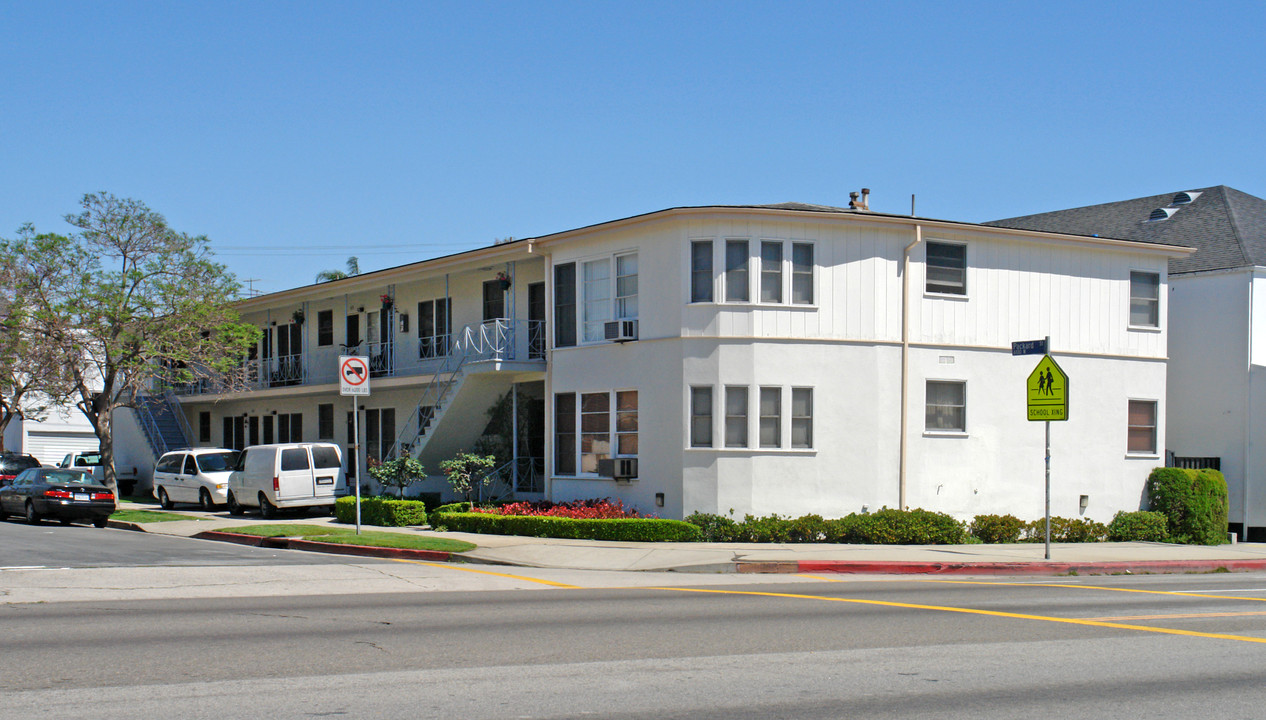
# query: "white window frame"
x,y
613,432
711,270
807,419
584,306
1157,300
726,271
1155,426
757,270
620,303
926,404
744,423
927,267
711,415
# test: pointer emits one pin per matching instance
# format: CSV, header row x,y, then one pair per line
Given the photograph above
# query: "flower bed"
x,y
602,509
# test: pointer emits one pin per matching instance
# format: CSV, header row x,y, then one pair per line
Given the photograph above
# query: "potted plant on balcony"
x,y
297,316
504,280
387,301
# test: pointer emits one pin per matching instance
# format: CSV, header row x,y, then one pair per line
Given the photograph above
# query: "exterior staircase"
x,y
163,423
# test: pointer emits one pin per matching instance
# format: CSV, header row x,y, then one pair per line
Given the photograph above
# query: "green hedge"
x,y
1194,503
994,529
884,527
1066,530
383,512
1138,526
630,529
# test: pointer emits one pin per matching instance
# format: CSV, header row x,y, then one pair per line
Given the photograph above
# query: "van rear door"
x,y
328,469
294,477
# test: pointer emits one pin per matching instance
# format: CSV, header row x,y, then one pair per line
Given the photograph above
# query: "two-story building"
x,y
763,359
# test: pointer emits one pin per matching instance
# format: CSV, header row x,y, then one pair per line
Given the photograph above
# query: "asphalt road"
x,y
1154,646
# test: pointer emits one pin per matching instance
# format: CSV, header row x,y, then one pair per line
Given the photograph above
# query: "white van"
x,y
288,475
200,475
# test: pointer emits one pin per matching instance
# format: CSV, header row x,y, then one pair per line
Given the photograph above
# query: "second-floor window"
x,y
946,268
435,326
1145,299
565,305
606,289
736,282
325,328
595,298
701,271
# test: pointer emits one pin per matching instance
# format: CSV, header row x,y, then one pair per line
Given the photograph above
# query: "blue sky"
x,y
296,134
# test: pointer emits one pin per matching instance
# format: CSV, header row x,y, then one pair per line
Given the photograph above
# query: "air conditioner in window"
x,y
620,330
618,468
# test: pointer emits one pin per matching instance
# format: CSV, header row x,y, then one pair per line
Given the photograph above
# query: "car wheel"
x,y
234,507
204,500
267,510
100,521
32,517
163,501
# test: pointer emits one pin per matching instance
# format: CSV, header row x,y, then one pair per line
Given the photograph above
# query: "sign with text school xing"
x,y
1047,391
353,375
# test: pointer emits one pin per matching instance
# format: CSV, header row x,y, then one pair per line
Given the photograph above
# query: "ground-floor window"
x,y
1142,427
290,427
380,433
774,419
606,424
946,406
701,417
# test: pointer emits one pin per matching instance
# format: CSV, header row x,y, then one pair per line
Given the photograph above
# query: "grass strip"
x,y
148,516
372,538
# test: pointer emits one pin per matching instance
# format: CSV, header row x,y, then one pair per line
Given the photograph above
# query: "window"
x,y
325,421
290,427
946,406
1145,299
736,285
204,426
771,272
565,434
770,417
380,433
802,417
596,296
252,430
350,451
494,300
353,332
700,417
947,268
324,456
268,429
1142,430
435,323
701,271
565,305
625,286
325,327
294,459
626,423
595,430
736,417
802,274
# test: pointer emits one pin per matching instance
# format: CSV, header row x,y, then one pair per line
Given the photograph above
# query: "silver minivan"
x,y
287,475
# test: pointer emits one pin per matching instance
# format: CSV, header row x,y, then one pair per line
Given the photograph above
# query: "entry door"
x,y
494,300
536,317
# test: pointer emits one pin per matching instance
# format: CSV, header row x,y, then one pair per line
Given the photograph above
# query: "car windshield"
x,y
218,462
88,460
68,476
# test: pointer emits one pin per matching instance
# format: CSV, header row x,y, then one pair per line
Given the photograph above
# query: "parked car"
x,y
288,475
12,463
198,476
91,461
63,493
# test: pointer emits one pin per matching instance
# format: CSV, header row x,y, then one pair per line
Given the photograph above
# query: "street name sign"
x,y
1047,390
1029,347
353,375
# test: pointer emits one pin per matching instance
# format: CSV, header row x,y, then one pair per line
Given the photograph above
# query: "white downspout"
x,y
905,362
1248,416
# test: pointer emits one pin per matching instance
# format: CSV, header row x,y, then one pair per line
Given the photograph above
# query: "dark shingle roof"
x,y
1227,227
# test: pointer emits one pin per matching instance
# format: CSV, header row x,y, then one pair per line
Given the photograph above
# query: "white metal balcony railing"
x,y
503,339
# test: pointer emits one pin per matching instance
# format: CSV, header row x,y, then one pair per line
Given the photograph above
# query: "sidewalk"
x,y
1010,559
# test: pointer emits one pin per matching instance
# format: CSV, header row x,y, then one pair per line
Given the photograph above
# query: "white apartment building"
x,y
782,359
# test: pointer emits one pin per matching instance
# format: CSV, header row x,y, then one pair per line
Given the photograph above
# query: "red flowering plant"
x,y
597,509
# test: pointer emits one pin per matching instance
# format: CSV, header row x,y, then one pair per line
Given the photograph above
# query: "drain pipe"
x,y
905,362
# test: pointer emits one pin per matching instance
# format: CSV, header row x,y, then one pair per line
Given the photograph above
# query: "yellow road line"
x,y
1176,616
524,578
1099,587
974,611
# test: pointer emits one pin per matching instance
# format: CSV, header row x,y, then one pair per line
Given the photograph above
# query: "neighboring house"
x,y
63,430
1217,322
757,359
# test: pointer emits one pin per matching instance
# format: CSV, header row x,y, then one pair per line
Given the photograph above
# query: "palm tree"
x,y
353,268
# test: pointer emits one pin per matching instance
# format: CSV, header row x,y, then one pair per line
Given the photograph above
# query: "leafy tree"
x,y
463,472
128,305
398,472
32,378
353,268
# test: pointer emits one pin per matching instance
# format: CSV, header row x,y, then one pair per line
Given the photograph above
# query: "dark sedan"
x,y
63,493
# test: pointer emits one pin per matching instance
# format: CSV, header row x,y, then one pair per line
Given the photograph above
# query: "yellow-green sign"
x,y
1047,391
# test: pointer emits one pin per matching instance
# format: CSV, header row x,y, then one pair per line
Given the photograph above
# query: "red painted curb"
x,y
334,548
1010,568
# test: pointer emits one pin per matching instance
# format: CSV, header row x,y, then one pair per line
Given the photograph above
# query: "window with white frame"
x,y
1145,299
770,417
565,434
626,423
626,286
946,268
770,272
595,297
701,417
946,406
736,416
737,287
801,417
606,424
1142,427
802,263
701,271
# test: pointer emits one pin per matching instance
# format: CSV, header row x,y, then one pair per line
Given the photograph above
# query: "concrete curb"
x,y
284,543
1138,567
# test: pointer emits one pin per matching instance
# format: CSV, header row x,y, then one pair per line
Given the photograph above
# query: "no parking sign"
x,y
353,375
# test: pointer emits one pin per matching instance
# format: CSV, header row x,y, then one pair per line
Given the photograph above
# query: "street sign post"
x,y
353,380
1046,392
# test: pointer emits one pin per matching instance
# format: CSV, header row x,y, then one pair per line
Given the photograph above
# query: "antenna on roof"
x,y
911,204
250,287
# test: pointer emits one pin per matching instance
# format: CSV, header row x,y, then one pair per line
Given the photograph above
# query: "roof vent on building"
x,y
1161,214
1184,198
863,204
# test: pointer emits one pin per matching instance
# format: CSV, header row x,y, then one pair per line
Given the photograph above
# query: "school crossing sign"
x,y
1047,392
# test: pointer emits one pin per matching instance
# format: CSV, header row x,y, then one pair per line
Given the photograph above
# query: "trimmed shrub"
x,y
715,528
1194,503
995,529
889,526
1066,530
384,512
632,529
1138,526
